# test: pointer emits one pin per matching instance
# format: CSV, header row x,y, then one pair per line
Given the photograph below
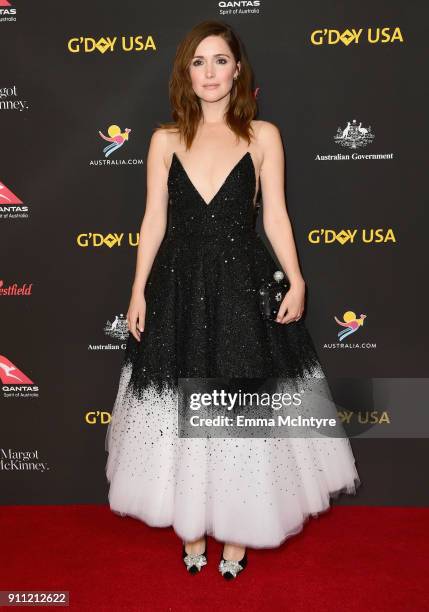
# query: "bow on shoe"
x,y
198,560
230,566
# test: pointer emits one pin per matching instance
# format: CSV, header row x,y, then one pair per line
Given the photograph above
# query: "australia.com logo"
x,y
14,382
7,11
11,207
116,137
350,325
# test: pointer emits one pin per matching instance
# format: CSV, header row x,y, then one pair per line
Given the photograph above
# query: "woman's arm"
x,y
154,222
276,221
152,229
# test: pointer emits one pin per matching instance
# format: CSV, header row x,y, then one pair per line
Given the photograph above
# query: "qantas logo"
x,y
14,382
10,374
7,12
7,197
11,207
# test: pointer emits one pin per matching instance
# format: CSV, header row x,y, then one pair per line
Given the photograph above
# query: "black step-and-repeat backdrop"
x,y
81,88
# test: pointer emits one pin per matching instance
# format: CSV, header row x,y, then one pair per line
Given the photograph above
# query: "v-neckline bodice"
x,y
224,182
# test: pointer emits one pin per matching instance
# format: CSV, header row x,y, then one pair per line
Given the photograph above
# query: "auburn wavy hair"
x,y
185,104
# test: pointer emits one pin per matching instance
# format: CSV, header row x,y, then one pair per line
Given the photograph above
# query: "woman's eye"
x,y
221,59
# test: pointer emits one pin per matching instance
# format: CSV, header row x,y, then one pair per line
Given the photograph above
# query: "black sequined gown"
x,y
203,320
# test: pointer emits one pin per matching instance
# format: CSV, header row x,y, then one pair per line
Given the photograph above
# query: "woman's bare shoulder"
x,y
164,135
266,138
165,141
266,132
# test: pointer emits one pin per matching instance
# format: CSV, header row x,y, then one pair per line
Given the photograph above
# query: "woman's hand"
x,y
136,313
293,303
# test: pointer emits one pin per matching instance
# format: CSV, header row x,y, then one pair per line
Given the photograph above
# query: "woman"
x,y
194,313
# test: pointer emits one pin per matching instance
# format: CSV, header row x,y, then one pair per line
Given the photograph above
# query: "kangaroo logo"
x,y
115,137
118,329
354,136
10,374
350,324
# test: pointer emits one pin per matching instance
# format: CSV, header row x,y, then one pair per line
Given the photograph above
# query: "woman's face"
x,y
212,69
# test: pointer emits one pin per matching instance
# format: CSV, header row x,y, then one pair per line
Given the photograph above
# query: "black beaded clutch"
x,y
271,295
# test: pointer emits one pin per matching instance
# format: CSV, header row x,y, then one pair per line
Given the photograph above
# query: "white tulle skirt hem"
x,y
252,492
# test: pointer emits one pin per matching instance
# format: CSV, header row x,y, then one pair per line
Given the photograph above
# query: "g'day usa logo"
x,y
14,382
7,11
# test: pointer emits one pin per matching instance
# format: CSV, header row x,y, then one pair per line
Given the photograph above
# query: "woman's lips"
x,y
211,86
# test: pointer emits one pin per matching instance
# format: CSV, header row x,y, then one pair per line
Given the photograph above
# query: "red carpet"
x,y
350,558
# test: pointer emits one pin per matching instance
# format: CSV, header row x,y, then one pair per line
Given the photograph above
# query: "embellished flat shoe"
x,y
194,562
230,569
